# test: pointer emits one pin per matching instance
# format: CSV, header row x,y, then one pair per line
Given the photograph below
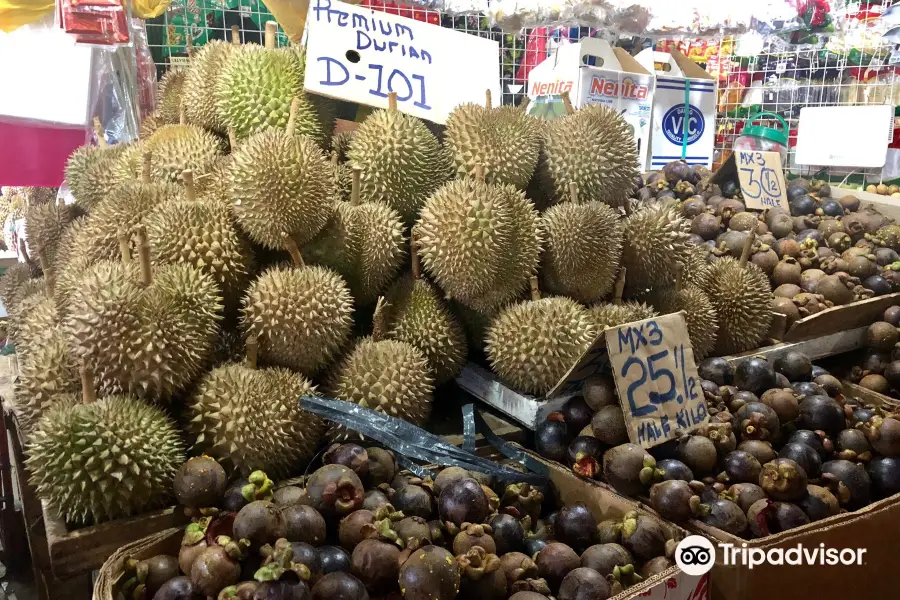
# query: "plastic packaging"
x,y
763,138
96,22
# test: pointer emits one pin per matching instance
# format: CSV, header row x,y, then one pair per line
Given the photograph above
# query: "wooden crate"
x,y
815,348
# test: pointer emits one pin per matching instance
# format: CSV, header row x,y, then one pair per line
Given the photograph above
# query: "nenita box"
x,y
593,72
683,125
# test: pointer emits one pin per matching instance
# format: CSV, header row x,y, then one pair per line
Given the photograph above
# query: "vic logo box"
x,y
593,72
684,109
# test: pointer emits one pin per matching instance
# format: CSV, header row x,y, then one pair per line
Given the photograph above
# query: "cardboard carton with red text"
x,y
593,72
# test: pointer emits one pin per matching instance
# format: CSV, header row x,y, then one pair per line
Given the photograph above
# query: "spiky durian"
x,y
92,171
695,266
200,83
742,298
389,376
300,315
479,242
44,225
699,314
657,242
415,313
49,372
281,186
532,345
72,260
253,418
169,95
402,162
178,148
340,144
40,195
32,315
607,314
474,323
104,460
363,242
593,148
584,244
505,141
12,281
149,124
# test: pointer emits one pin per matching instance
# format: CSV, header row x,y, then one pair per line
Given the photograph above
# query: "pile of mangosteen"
x,y
784,447
879,369
358,528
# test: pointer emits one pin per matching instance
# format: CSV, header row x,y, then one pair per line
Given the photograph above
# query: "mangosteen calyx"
x,y
279,564
235,549
195,532
626,575
476,563
259,488
649,473
836,487
524,496
382,529
538,586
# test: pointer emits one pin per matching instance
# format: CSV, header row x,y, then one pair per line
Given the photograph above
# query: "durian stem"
x,y
523,105
182,119
147,165
379,327
88,393
189,191
235,35
355,185
144,255
124,246
232,141
49,279
23,250
487,99
252,350
679,280
271,32
573,192
414,257
335,159
291,246
535,290
620,287
748,246
98,129
292,119
392,101
567,102
479,173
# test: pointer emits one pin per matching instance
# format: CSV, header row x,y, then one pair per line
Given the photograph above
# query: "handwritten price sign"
x,y
360,55
656,377
761,179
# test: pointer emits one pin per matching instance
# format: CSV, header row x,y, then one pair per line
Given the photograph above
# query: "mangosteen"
x,y
576,526
481,575
608,425
551,439
852,445
200,483
583,583
693,206
524,499
415,501
892,374
884,472
335,490
698,453
218,566
508,533
382,466
817,440
808,388
754,375
756,420
783,479
630,469
767,517
447,475
178,588
706,225
334,558
376,564
303,524
832,208
796,366
678,170
308,555
803,205
882,336
740,467
411,529
745,494
193,543
527,595
796,189
472,535
643,536
876,383
352,456
674,469
830,383
674,500
289,494
534,545
583,454
717,370
780,380
884,435
849,203
145,577
819,503
234,499
350,528
555,561
599,391
260,523
729,188
862,414
785,403
805,456
463,501
725,515
892,314
609,531
517,566
281,590
656,566
245,590
787,291
762,450
788,270
375,499
821,412
344,586
849,483
576,413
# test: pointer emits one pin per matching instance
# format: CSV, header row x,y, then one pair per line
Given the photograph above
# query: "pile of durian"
x,y
238,256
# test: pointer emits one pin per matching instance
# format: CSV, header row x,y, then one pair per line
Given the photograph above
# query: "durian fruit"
x,y
281,186
301,316
504,140
696,267
252,418
44,226
657,242
149,124
385,375
363,242
104,459
31,316
583,247
169,95
72,260
12,282
593,148
699,314
340,144
611,314
415,313
177,148
533,344
255,89
479,242
402,161
742,297
48,373
201,233
474,323
40,195
200,83
150,335
92,171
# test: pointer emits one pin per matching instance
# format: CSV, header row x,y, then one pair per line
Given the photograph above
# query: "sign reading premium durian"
x,y
761,179
656,377
360,55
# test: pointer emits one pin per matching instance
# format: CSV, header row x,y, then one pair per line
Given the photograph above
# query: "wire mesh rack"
x,y
852,65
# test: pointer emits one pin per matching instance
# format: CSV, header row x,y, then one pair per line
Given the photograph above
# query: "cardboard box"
x,y
682,88
595,73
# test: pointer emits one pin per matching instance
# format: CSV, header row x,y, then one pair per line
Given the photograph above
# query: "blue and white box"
x,y
683,121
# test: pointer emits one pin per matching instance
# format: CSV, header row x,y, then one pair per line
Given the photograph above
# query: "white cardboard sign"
x,y
762,180
357,54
